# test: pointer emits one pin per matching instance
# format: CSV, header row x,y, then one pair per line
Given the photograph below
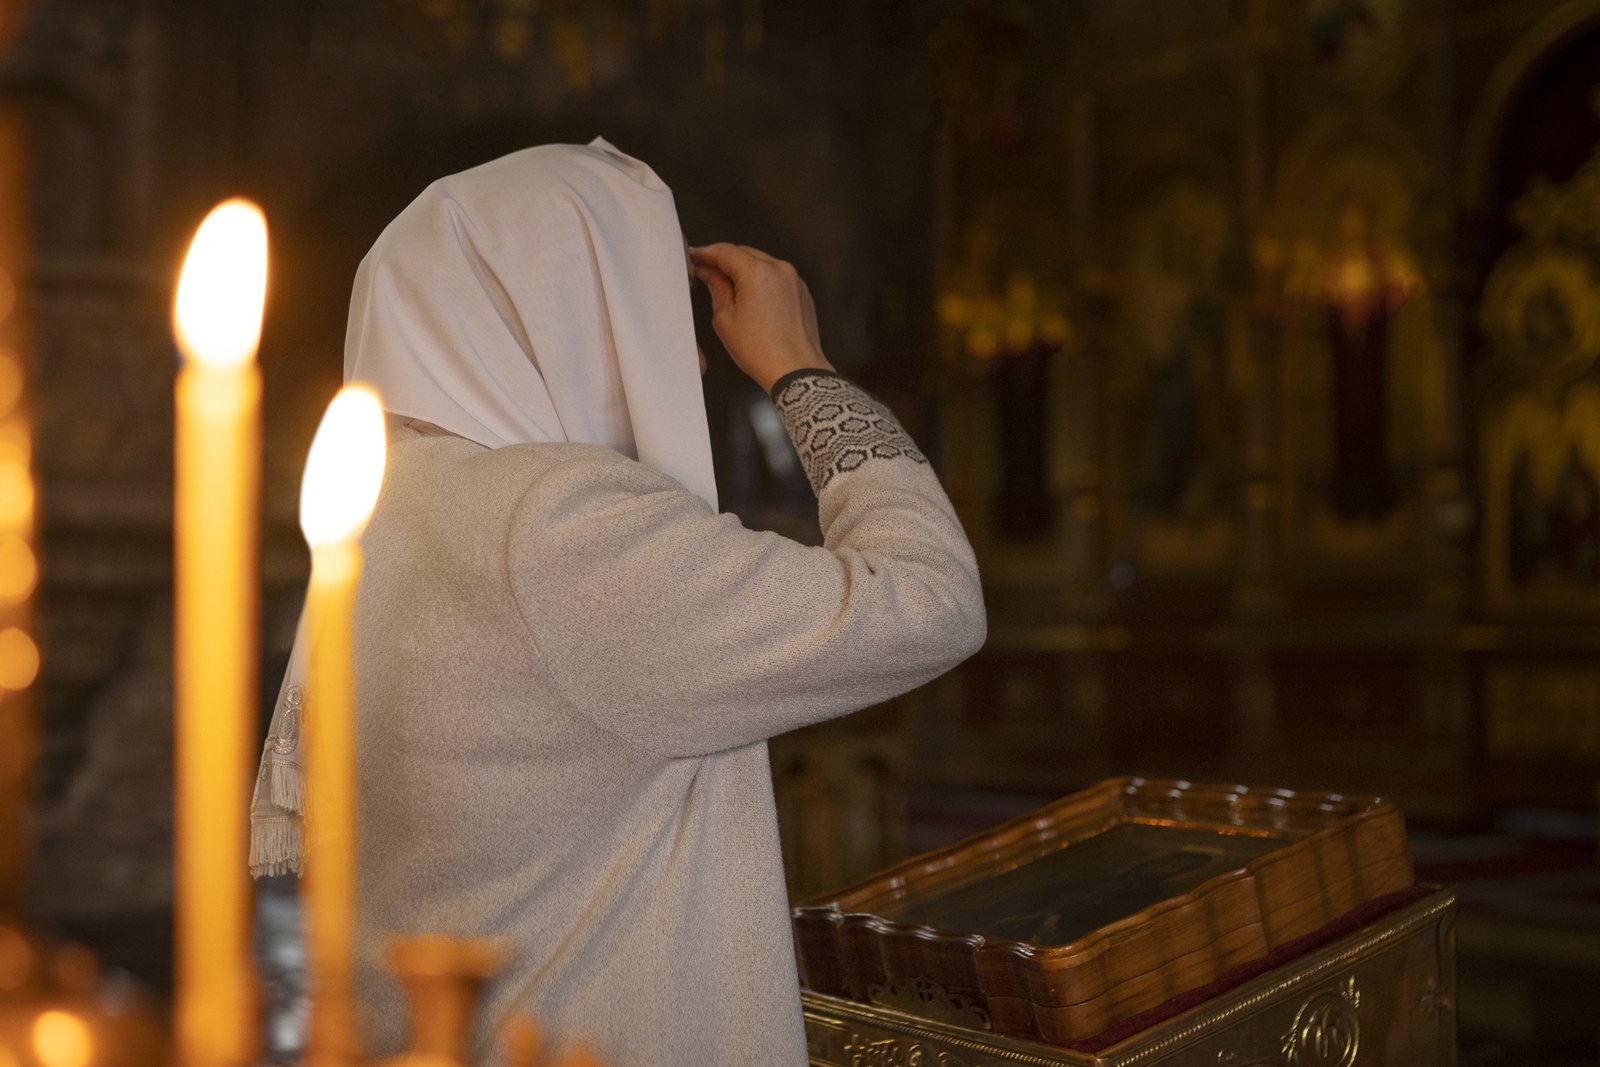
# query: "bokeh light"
x,y
19,659
61,1039
19,570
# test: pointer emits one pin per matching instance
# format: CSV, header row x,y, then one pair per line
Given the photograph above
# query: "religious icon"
x,y
1554,535
1179,384
1541,423
1184,338
1573,521
1543,499
1363,284
1010,331
1361,356
1067,894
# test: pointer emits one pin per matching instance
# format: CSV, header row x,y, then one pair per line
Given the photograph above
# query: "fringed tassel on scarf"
x,y
277,831
275,845
285,785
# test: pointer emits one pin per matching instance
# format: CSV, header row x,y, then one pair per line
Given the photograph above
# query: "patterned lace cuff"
x,y
838,427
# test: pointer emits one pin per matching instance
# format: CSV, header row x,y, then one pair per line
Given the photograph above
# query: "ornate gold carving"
x,y
1432,911
889,1052
1549,213
1541,310
1542,455
1541,313
825,1039
830,1019
1326,1032
919,996
1541,460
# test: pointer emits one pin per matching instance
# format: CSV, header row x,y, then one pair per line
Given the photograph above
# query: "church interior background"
x,y
1256,342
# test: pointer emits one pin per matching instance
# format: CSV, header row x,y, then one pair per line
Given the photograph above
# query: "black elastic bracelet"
x,y
795,375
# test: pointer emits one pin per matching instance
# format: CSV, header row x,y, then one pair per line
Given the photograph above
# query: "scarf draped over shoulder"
x,y
540,297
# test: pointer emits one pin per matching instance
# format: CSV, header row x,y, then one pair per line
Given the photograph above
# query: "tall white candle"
x,y
217,318
343,475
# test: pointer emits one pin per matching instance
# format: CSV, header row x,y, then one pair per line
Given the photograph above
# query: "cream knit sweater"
x,y
568,668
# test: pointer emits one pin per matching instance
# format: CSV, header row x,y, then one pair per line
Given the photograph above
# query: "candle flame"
x,y
344,470
223,287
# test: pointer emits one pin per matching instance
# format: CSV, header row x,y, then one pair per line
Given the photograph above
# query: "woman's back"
x,y
642,896
567,669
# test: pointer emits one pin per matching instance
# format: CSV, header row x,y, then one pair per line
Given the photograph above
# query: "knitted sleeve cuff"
x,y
837,427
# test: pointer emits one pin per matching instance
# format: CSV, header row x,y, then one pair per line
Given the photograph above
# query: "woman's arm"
x,y
685,633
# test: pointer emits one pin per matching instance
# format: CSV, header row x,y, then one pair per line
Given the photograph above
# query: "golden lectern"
x,y
1141,922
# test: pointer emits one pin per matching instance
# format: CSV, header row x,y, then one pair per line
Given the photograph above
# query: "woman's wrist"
x,y
808,359
799,372
837,427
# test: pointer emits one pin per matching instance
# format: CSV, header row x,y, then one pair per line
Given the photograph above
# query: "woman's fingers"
x,y
758,254
719,284
763,311
730,259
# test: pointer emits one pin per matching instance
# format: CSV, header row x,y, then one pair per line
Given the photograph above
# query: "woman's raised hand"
x,y
762,311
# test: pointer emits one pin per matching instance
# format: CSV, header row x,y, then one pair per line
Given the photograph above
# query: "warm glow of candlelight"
x,y
16,492
19,570
60,1039
344,469
222,290
19,659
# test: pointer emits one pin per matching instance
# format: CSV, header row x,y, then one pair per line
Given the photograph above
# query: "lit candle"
x,y
343,475
217,318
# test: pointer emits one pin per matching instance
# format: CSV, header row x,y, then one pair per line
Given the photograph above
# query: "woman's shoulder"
x,y
553,465
547,471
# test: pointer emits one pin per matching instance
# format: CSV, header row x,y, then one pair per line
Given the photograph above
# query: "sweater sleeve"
x,y
686,633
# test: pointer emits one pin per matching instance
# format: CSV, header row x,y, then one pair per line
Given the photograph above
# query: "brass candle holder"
x,y
442,978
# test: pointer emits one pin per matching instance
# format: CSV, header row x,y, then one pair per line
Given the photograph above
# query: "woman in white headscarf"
x,y
568,663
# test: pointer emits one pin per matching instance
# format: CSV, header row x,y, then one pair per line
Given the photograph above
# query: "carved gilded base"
x,y
1383,995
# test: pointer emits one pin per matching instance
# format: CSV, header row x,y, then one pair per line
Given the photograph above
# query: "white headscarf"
x,y
540,297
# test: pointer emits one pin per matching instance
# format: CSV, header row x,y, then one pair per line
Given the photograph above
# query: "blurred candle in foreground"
x,y
217,319
343,475
19,570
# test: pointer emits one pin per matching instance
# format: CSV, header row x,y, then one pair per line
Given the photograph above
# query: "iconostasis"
x,y
1268,394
